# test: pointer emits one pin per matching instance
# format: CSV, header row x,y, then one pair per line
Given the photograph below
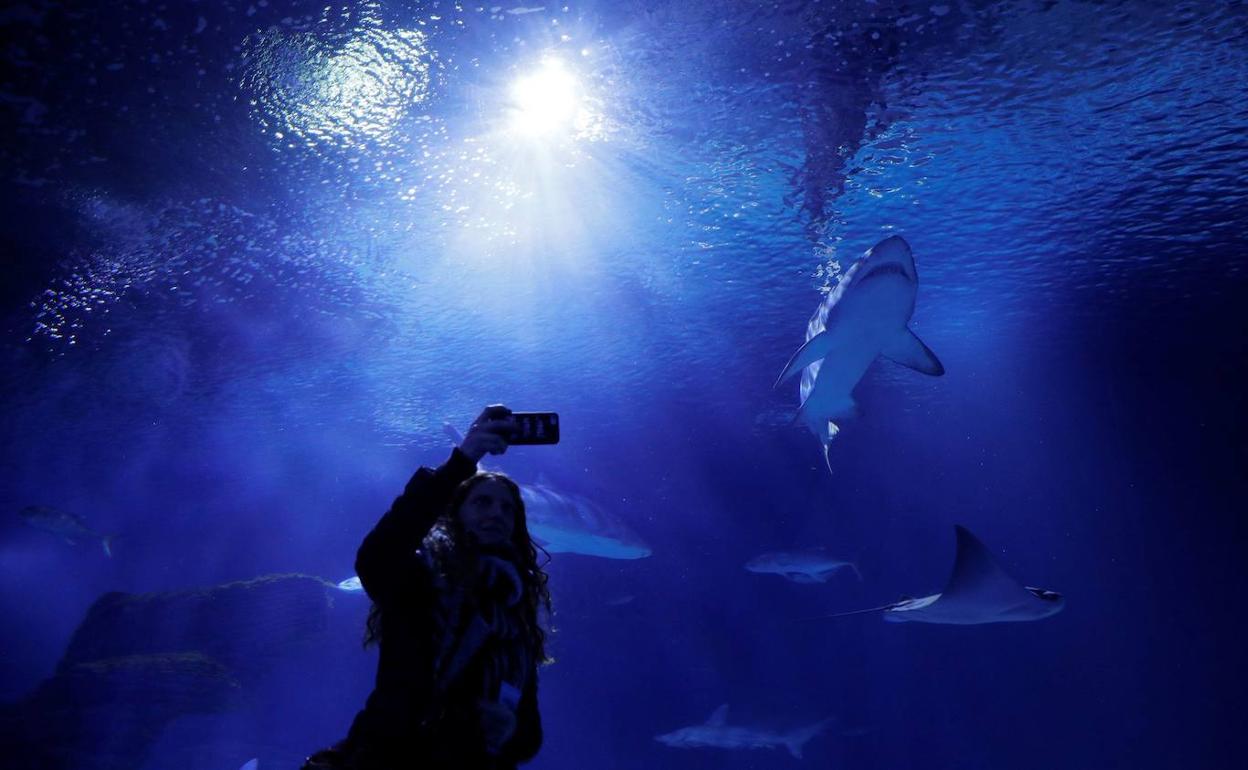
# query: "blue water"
x,y
258,254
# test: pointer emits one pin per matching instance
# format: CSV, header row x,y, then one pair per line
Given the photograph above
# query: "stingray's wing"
x,y
979,591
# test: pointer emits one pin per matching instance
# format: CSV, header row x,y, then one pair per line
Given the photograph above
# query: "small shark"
x,y
351,585
978,592
69,526
811,566
865,316
566,523
715,733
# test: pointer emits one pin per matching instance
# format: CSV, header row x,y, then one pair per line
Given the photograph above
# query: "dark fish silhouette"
x,y
69,526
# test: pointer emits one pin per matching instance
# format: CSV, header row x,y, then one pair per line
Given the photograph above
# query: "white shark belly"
x,y
831,396
557,540
737,738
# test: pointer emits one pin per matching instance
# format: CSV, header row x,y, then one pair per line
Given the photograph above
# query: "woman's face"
x,y
489,513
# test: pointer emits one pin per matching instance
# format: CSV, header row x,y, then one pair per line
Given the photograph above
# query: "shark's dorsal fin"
x,y
452,434
908,350
718,717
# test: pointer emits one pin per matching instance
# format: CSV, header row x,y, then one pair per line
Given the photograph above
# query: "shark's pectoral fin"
x,y
908,350
815,349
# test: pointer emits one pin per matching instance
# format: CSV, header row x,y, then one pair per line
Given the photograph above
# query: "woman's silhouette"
x,y
456,590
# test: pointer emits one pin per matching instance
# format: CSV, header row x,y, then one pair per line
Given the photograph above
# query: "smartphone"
x,y
535,428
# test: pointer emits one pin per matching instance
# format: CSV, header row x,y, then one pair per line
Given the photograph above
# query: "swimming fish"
x,y
865,316
810,566
978,591
351,585
717,734
567,523
69,526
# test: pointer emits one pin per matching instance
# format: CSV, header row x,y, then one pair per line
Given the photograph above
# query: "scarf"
x,y
496,621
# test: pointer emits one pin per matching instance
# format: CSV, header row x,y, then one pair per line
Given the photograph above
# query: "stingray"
x,y
978,591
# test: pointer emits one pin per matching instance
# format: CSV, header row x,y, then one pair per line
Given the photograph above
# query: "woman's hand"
x,y
489,433
498,722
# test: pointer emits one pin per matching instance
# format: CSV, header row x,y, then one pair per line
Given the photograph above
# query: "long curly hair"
x,y
446,544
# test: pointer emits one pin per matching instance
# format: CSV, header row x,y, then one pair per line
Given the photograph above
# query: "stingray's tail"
x,y
881,608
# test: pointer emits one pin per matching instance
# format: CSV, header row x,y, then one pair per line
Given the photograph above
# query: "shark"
x,y
810,566
351,585
69,526
865,316
567,523
716,733
977,592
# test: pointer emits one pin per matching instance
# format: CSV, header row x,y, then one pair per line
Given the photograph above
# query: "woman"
x,y
456,589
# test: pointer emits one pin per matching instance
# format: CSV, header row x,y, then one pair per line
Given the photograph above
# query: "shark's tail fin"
x,y
795,740
107,543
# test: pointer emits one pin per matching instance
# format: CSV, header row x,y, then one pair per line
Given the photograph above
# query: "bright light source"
x,y
547,101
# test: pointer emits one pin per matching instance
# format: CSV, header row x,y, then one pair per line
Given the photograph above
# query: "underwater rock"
x,y
104,714
139,661
243,625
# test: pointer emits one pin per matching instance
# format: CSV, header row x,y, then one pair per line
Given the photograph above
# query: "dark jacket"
x,y
403,725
